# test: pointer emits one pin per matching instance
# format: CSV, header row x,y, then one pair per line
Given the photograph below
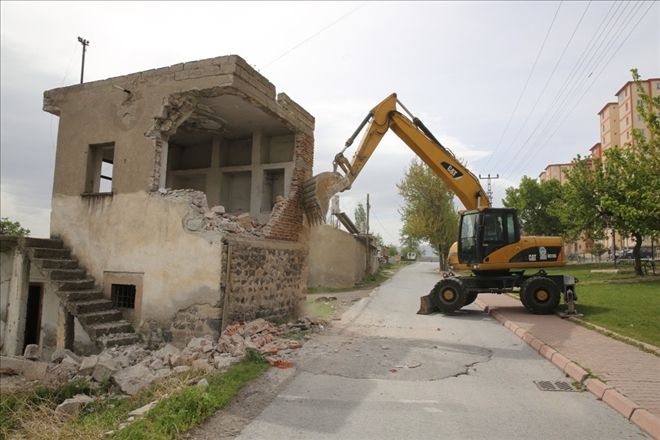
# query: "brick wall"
x,y
286,222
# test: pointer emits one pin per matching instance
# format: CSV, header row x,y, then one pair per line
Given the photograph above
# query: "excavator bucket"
x,y
318,191
426,306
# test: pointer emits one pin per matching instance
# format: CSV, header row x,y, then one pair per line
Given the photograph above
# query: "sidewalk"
x,y
629,378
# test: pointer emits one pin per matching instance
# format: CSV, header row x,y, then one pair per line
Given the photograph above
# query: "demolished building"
x,y
176,209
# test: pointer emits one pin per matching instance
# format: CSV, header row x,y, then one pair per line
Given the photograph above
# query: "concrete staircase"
x,y
78,293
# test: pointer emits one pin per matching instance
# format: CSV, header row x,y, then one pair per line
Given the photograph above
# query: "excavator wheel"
x,y
541,295
449,295
471,297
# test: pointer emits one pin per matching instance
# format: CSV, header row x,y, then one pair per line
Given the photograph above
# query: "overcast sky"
x,y
509,87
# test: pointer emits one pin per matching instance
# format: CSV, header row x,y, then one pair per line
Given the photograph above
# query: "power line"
x,y
603,25
601,71
598,55
547,82
323,29
529,77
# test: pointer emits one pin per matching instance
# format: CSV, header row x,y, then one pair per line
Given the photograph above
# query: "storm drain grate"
x,y
547,385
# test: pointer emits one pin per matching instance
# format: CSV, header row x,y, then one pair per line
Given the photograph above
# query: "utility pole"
x,y
489,190
367,237
84,43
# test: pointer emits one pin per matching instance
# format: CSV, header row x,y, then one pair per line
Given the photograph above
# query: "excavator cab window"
x,y
499,229
469,237
482,233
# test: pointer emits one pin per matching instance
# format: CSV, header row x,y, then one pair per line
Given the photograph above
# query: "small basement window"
x,y
123,295
100,164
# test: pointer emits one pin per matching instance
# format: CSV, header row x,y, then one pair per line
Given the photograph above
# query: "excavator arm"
x,y
414,134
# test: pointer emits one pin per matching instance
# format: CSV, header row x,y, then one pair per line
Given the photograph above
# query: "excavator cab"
x,y
482,232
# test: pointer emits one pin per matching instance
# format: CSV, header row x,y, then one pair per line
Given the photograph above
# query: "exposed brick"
x,y
648,422
619,402
536,344
596,387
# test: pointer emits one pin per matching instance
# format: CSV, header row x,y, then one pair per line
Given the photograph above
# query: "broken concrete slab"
x,y
132,379
32,352
61,353
30,370
104,369
71,407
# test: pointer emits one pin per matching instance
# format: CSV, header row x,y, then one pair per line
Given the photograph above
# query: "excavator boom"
x,y
385,116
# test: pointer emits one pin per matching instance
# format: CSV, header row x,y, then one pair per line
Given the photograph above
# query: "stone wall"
x,y
266,279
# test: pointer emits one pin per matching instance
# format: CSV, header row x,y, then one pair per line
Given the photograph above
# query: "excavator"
x,y
490,242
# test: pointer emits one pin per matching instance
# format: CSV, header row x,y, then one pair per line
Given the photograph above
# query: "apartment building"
x,y
609,126
555,171
627,101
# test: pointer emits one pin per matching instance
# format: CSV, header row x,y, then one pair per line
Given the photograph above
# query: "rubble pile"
x,y
134,367
201,218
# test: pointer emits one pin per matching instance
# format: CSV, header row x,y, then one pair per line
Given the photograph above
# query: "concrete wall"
x,y
171,239
13,303
143,233
336,258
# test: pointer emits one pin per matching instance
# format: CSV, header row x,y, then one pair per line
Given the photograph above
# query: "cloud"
x,y
17,207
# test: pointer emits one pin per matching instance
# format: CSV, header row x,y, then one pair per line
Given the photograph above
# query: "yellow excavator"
x,y
490,242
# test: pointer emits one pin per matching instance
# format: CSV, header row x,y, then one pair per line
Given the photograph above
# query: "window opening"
x,y
100,168
123,295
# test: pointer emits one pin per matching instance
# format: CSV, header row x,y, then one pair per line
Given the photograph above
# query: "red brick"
x,y
547,351
619,402
648,422
597,387
575,371
559,360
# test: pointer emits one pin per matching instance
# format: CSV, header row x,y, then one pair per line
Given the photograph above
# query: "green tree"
x,y
428,213
392,250
361,218
598,249
533,200
623,191
8,227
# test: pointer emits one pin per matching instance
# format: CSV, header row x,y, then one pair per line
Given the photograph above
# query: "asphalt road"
x,y
388,373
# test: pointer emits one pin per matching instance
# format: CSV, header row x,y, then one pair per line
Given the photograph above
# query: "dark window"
x,y
123,295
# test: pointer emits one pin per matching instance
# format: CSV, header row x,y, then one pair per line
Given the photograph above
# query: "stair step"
x,y
80,295
55,263
118,339
80,284
51,253
66,274
100,317
89,306
51,243
108,328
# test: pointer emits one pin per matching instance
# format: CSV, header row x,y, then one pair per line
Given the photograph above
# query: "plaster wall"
x,y
14,313
143,232
336,258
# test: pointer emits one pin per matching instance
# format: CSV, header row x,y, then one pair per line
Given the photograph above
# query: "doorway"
x,y
33,315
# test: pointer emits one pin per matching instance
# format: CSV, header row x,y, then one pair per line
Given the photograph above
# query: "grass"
x,y
630,309
623,303
180,407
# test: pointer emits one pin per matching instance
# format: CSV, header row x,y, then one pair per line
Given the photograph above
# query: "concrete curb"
x,y
642,418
